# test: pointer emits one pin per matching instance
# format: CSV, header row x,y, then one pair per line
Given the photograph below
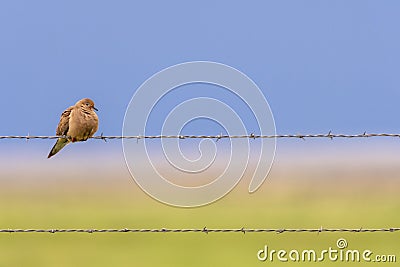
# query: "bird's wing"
x,y
63,125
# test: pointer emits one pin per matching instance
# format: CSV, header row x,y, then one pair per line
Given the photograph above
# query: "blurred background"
x,y
322,65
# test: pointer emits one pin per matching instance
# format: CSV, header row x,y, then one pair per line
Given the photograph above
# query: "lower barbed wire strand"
x,y
205,230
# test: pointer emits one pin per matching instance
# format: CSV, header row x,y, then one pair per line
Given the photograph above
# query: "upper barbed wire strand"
x,y
329,135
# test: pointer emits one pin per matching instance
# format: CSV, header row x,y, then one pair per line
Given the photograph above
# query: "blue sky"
x,y
322,65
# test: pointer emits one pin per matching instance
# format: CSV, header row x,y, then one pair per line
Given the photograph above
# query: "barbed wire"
x,y
205,230
329,135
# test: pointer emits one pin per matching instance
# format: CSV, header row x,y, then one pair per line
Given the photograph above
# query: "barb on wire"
x,y
329,135
205,230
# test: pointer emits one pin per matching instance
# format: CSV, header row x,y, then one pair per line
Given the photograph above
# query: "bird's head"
x,y
86,103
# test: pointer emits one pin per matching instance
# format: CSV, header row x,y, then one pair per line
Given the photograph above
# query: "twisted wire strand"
x,y
329,135
205,230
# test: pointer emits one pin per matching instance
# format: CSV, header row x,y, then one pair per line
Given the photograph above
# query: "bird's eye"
x,y
87,104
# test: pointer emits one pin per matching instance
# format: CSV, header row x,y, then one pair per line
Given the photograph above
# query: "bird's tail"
x,y
61,142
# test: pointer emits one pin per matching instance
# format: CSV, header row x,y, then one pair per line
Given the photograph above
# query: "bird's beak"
x,y
95,108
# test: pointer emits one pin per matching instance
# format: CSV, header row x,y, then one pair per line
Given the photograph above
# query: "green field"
x,y
360,197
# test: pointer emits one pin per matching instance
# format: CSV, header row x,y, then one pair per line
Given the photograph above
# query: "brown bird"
x,y
77,123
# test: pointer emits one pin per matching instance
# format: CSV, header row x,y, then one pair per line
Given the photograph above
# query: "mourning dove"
x,y
77,123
